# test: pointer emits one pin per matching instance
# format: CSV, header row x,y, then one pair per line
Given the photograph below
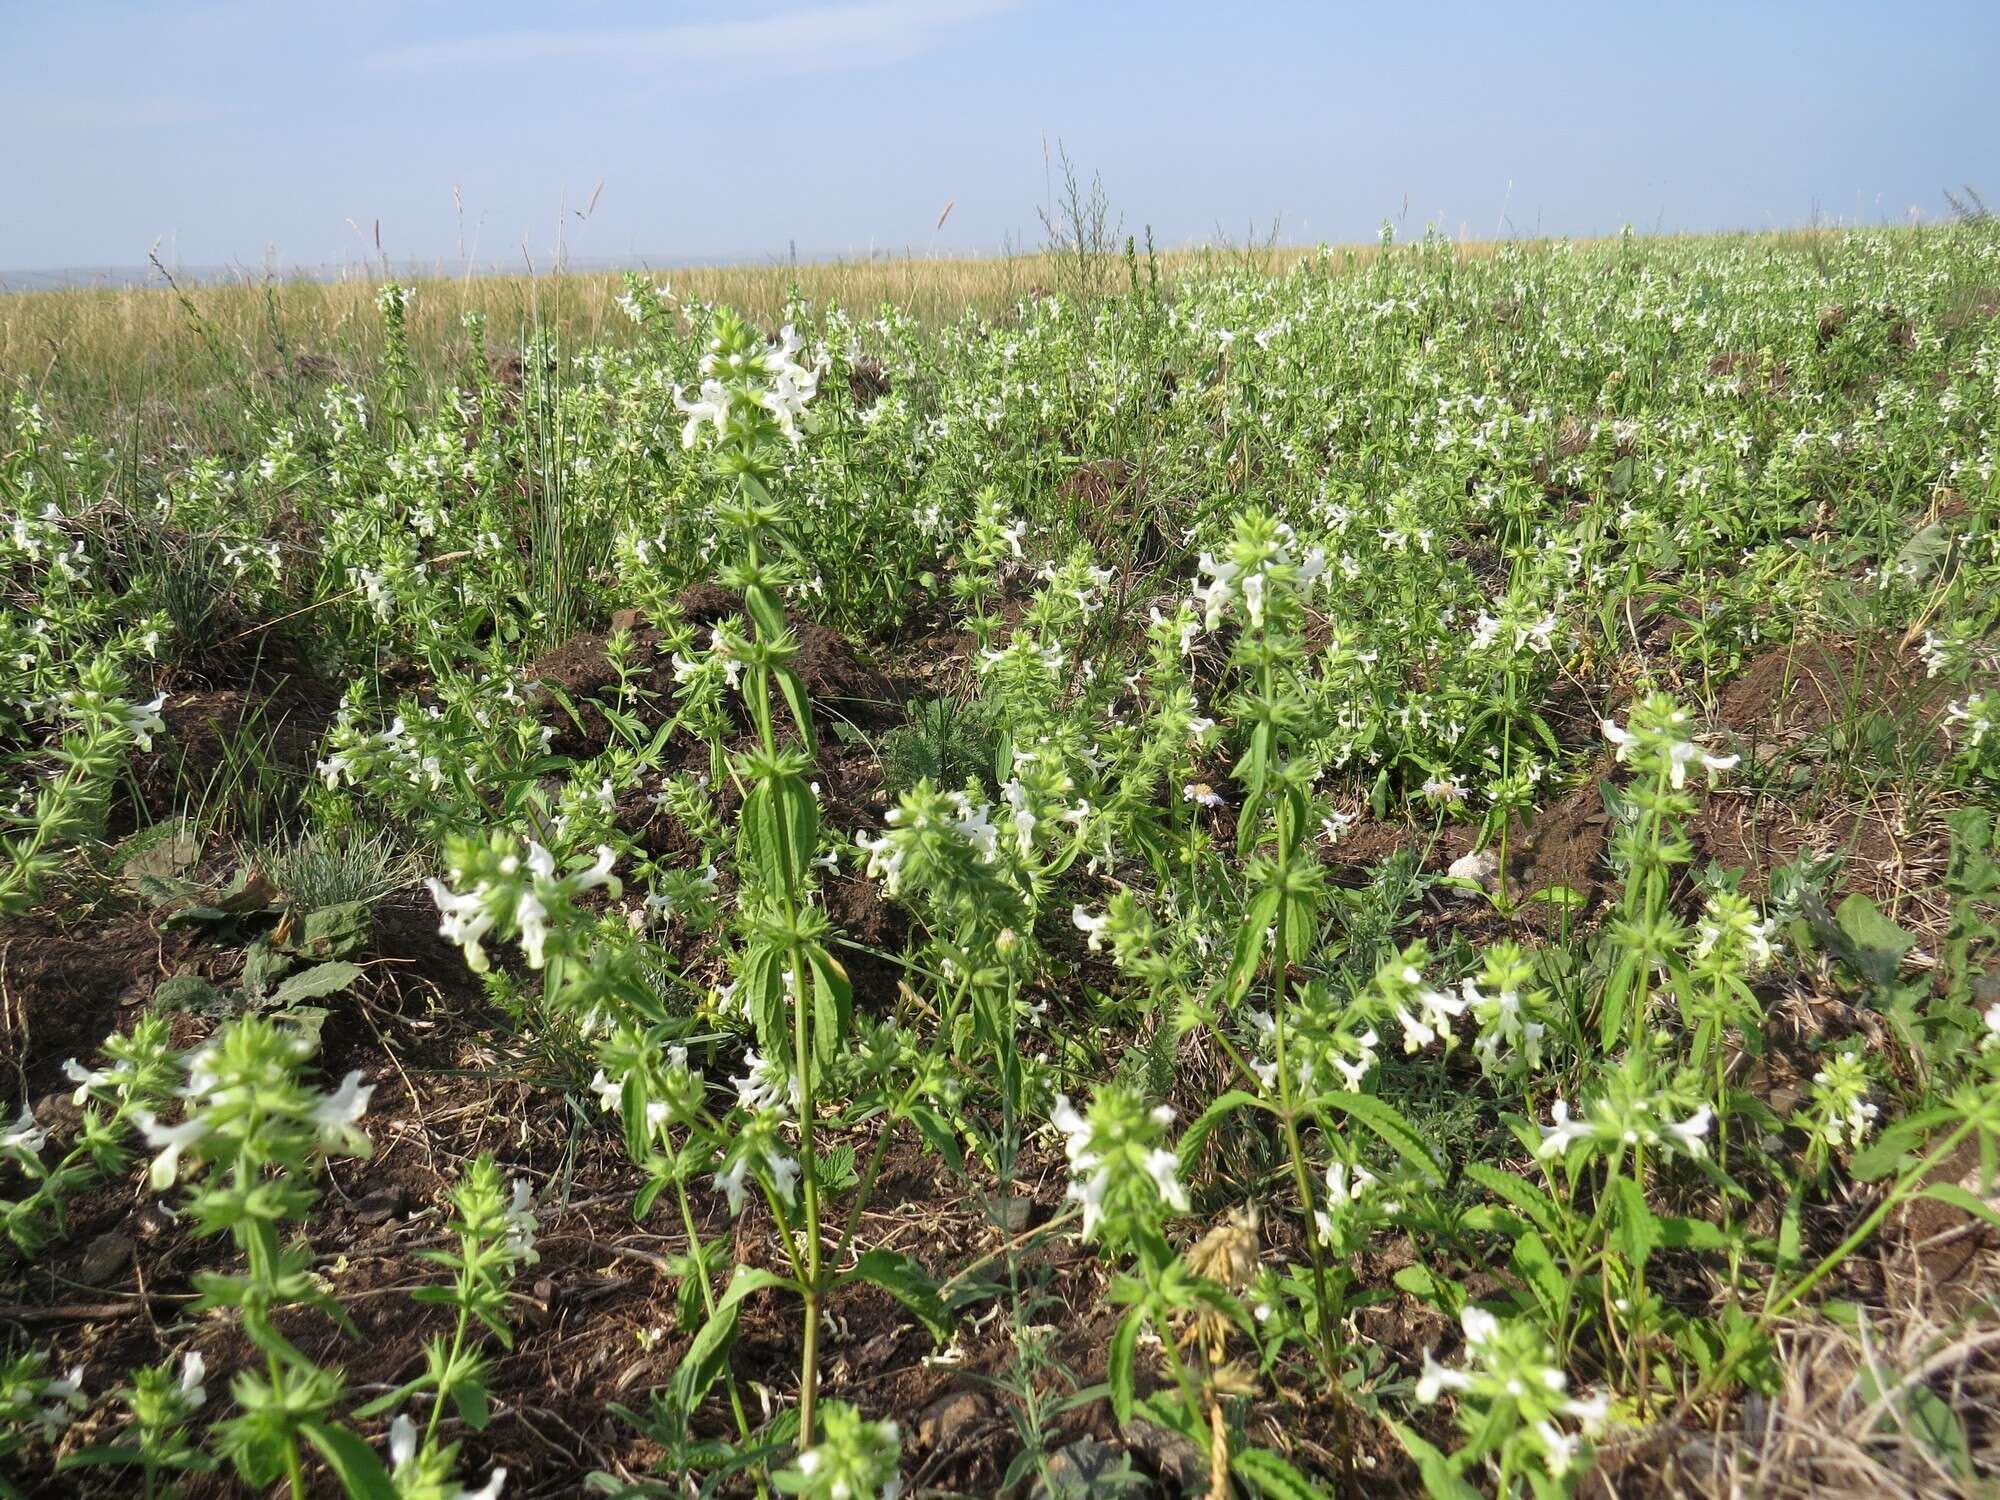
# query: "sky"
x,y
256,132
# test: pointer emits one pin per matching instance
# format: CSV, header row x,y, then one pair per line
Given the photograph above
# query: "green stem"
x,y
1888,1205
708,1301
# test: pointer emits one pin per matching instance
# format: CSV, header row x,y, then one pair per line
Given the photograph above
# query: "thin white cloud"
x,y
808,40
50,111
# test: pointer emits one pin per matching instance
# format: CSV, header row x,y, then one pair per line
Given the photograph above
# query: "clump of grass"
x,y
946,741
332,867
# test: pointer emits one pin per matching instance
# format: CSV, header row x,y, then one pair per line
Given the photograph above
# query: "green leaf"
x,y
1918,558
1440,1478
1220,1109
1885,1153
335,931
908,1282
1638,1231
1693,1234
353,1462
706,1358
190,992
316,983
833,1005
1398,1133
1561,897
1538,1268
1122,1369
1938,1427
1422,1282
750,1280
708,1355
1874,945
764,996
1252,933
938,1135
1270,1475
801,707
262,967
1790,1228
1534,1205
469,1396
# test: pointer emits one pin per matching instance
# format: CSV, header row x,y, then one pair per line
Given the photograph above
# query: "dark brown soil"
x,y
1564,846
842,686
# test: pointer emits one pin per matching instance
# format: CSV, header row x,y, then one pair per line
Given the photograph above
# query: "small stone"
x,y
950,1420
1079,1469
1172,1456
379,1206
1013,1212
58,1113
153,1222
104,1259
1479,867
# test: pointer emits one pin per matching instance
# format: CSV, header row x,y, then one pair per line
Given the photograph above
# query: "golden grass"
x,y
106,358
182,361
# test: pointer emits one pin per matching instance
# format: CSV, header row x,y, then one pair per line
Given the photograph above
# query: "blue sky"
x,y
241,130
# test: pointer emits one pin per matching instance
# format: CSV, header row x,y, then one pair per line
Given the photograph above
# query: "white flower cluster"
x,y
331,1117
403,1465
1512,1364
1105,1145
773,380
1972,718
1680,753
524,886
965,818
1605,1123
1245,575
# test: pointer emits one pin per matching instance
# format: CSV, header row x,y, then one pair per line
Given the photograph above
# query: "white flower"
x,y
171,1141
84,1079
764,1085
66,1396
731,1181
1094,927
1214,597
1689,1132
1559,1137
1480,1326
521,1222
1343,1185
710,405
402,1441
610,1093
1592,1411
1163,1167
339,1110
1435,1012
464,920
1357,1069
487,1491
141,721
784,1175
1559,1447
533,918
1438,1378
1070,1121
193,1369
23,1134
